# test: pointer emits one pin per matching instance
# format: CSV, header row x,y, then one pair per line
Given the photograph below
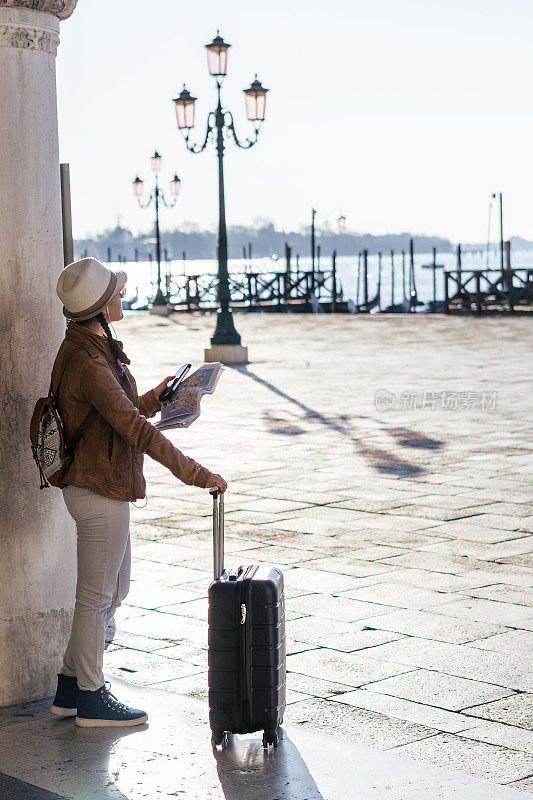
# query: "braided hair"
x,y
114,349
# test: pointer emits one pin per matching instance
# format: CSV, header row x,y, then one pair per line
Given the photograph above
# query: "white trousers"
x,y
104,563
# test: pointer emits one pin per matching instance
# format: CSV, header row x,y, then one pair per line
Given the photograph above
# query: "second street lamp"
x,y
159,301
225,342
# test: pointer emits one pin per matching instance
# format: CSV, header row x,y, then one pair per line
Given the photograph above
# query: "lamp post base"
x,y
227,353
162,311
158,304
225,331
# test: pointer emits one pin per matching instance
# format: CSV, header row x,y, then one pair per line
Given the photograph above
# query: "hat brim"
x,y
121,282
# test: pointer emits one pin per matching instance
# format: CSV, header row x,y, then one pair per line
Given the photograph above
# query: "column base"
x,y
157,309
227,353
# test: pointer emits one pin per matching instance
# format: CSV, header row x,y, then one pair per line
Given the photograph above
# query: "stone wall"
x,y
37,540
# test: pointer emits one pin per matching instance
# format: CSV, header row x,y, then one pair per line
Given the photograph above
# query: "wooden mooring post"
x,y
434,266
334,282
287,287
392,276
413,298
379,281
403,276
365,277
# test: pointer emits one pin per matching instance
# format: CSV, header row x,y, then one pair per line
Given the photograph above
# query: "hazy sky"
x,y
404,115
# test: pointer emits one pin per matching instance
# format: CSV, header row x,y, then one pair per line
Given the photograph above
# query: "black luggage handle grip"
x,y
218,531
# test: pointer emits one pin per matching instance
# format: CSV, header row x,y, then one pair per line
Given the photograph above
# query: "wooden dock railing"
x,y
488,290
260,291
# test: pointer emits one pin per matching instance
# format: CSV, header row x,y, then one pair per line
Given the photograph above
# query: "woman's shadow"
x,y
246,770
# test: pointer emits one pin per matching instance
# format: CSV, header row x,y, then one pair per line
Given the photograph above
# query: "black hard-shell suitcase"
x,y
246,659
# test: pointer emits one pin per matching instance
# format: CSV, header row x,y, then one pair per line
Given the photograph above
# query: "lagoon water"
x,y
142,275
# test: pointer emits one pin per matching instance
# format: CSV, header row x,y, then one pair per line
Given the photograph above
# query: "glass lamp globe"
x,y
137,187
156,162
175,185
217,56
255,101
184,104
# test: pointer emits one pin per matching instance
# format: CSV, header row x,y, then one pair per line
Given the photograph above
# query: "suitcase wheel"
x,y
270,737
218,738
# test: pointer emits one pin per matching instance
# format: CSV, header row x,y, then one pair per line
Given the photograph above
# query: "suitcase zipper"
x,y
244,659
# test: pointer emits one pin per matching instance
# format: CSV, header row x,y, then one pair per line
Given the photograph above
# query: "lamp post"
x,y
225,342
499,196
159,301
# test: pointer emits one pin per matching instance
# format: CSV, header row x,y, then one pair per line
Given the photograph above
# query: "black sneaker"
x,y
101,709
66,700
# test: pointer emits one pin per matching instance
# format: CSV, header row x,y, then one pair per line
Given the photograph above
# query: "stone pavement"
x,y
403,523
170,756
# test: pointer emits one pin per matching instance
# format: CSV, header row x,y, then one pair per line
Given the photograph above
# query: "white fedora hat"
x,y
87,286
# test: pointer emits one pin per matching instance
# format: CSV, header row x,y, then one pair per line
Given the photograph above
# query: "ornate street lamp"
x,y
220,124
157,195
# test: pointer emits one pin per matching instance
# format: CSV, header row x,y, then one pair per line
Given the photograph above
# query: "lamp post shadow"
x,y
383,461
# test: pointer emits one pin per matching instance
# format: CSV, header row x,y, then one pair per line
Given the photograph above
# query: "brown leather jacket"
x,y
108,458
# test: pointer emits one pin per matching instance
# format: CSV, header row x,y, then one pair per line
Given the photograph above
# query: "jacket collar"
x,y
82,334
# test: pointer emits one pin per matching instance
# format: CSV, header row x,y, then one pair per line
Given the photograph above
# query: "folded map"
x,y
185,408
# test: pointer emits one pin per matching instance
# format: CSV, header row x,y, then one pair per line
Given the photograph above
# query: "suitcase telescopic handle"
x,y
218,531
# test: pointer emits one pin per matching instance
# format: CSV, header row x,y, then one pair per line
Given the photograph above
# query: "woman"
x,y
97,396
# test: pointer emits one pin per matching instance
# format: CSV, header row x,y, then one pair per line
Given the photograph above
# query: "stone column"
x,y
37,541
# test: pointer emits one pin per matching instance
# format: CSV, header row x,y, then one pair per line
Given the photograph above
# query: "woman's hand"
x,y
218,481
159,388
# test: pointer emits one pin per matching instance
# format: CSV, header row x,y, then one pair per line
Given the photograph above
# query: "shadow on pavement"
x,y
379,459
246,770
409,438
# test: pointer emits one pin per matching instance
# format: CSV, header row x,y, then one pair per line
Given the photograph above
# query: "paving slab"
x,y
500,763
437,689
517,709
504,594
503,735
399,595
479,550
354,724
488,611
399,708
438,581
336,635
146,668
332,607
432,512
525,785
351,669
430,625
310,581
349,566
517,643
513,672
